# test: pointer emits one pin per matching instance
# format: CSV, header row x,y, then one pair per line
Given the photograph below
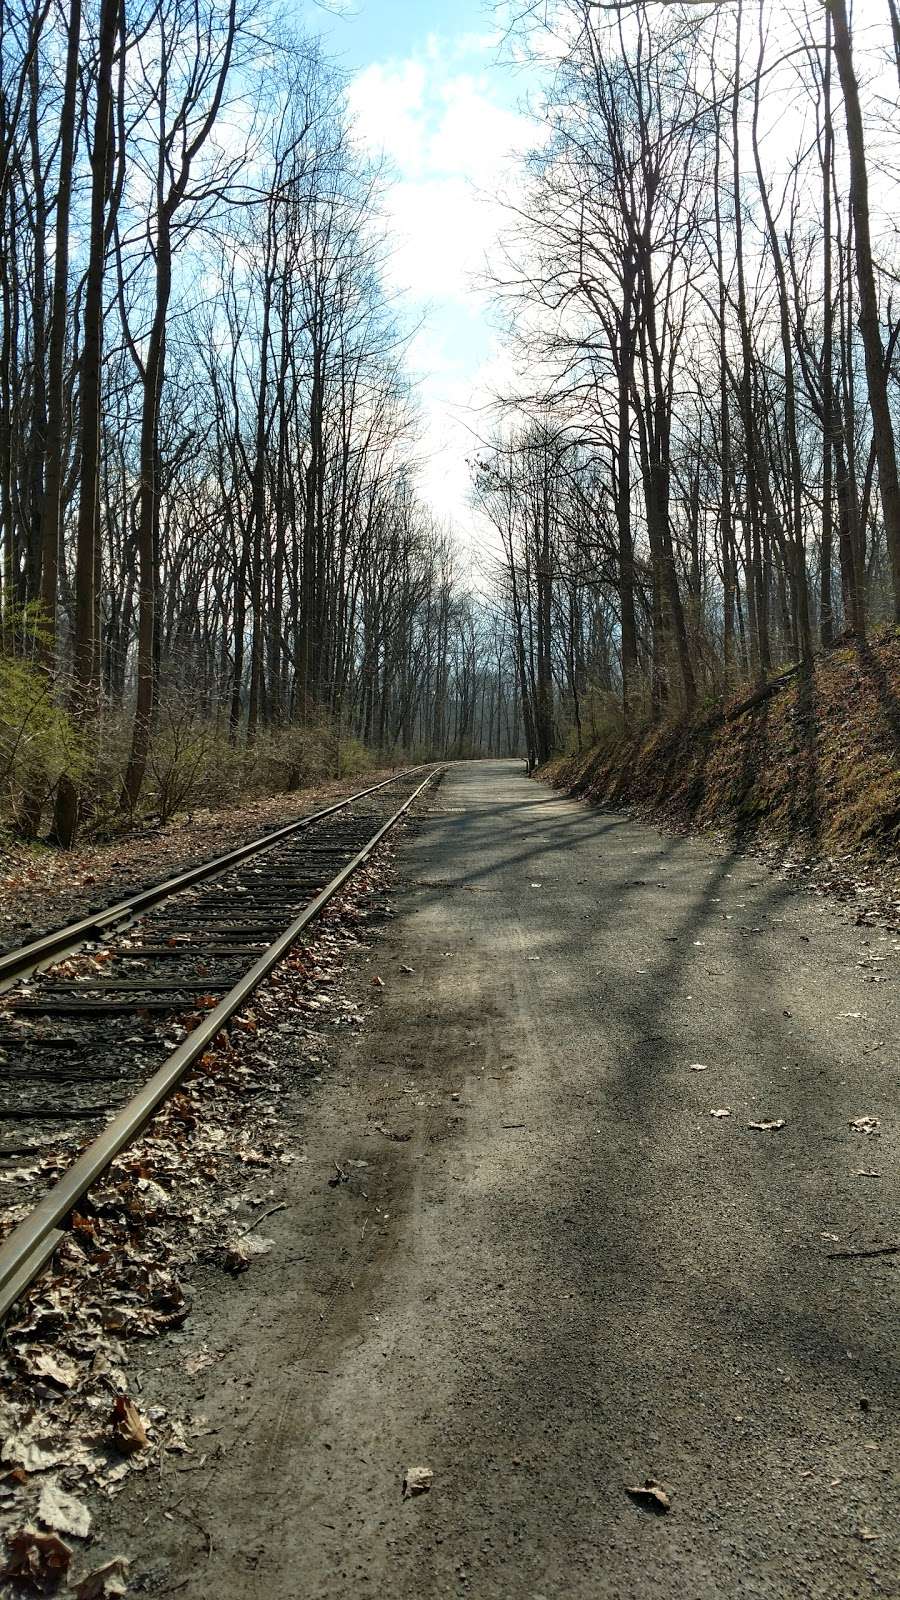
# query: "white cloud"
x,y
452,142
451,145
474,135
387,104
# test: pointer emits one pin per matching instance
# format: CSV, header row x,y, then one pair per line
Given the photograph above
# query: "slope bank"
x,y
813,764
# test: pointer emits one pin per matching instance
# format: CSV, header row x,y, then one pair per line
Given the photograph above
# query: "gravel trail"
x,y
558,1273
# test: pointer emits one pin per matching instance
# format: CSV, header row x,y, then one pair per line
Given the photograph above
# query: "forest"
x,y
216,558
699,483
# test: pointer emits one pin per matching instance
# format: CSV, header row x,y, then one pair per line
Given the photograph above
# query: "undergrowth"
x,y
191,759
816,763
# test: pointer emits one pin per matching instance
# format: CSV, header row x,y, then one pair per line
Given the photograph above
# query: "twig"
x,y
877,1250
281,1206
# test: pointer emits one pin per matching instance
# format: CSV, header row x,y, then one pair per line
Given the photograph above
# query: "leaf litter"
x,y
38,1559
63,1512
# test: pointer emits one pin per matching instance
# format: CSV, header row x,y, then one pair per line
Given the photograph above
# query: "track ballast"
x,y
109,1029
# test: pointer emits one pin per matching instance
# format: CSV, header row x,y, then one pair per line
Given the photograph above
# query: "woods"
x,y
695,478
218,565
215,556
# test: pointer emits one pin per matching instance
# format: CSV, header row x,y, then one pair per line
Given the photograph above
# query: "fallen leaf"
x,y
40,1559
22,1451
865,1125
389,1133
722,1112
408,970
57,1370
377,983
240,1252
697,1066
196,1363
867,1535
651,1495
866,1172
767,1127
128,1430
106,1582
417,1480
62,1512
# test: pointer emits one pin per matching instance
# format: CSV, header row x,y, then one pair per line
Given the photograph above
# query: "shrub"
x,y
186,759
38,740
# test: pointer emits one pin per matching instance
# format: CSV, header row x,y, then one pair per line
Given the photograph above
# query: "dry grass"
x,y
816,766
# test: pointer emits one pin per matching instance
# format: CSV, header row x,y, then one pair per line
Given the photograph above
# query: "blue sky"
x,y
362,31
428,90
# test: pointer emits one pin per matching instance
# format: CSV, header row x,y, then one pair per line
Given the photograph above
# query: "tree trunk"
x,y
869,325
88,531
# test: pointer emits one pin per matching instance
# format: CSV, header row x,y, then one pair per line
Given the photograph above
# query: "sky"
x,y
431,89
427,90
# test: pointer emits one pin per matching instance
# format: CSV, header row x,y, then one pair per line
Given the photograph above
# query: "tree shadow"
x,y
875,673
805,809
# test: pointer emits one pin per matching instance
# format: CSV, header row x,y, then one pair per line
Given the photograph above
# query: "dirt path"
x,y
551,1272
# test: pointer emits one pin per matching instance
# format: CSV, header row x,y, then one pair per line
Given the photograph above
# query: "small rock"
x,y
417,1480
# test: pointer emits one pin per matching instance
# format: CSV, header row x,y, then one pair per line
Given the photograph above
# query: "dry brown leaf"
x,y
651,1495
62,1512
55,1368
201,1358
22,1450
128,1430
40,1559
391,1133
240,1252
106,1582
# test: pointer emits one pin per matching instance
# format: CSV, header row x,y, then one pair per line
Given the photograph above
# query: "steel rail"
x,y
26,958
30,1245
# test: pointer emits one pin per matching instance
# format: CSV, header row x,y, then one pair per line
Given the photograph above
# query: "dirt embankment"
x,y
813,765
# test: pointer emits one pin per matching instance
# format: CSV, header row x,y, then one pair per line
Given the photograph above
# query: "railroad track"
x,y
107,1014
